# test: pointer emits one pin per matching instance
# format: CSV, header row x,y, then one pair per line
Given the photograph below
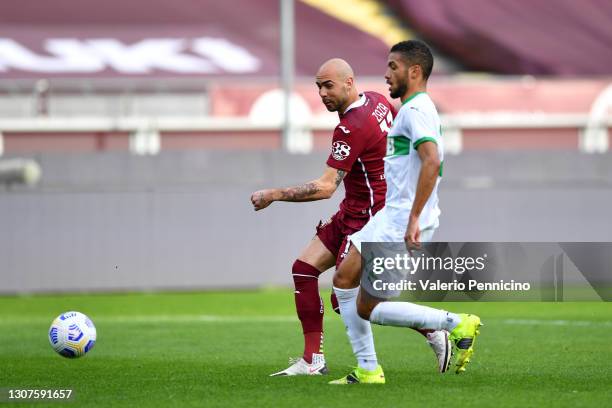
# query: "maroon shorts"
x,y
333,234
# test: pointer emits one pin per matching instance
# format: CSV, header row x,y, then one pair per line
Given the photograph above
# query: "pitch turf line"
x,y
558,322
168,319
277,319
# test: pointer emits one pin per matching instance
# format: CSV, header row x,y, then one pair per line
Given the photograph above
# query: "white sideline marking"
x,y
274,319
199,318
165,319
558,322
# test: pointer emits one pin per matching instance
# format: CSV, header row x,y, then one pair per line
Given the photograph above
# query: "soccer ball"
x,y
72,334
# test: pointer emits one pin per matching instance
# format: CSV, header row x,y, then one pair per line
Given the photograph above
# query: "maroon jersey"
x,y
359,145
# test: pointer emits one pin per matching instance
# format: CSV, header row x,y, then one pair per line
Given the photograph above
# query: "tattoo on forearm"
x,y
339,176
300,192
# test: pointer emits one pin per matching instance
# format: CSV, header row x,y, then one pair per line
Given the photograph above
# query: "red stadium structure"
x,y
80,76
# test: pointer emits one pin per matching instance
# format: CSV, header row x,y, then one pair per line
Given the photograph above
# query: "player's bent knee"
x,y
346,277
343,282
364,310
338,282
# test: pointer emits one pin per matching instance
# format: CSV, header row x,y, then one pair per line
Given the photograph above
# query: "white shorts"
x,y
382,229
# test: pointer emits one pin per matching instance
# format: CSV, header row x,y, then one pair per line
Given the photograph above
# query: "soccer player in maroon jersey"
x,y
358,148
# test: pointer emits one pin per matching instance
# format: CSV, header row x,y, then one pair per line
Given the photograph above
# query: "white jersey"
x,y
416,122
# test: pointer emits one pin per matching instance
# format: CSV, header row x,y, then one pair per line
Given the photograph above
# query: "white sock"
x,y
358,330
406,314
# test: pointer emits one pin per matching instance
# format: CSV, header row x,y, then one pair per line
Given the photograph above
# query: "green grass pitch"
x,y
217,349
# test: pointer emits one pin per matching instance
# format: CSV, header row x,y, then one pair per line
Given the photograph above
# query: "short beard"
x,y
399,91
333,108
336,106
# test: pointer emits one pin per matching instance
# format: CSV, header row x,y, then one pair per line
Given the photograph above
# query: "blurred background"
x,y
133,133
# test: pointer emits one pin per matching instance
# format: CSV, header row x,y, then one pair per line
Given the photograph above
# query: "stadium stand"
x,y
203,38
79,76
539,37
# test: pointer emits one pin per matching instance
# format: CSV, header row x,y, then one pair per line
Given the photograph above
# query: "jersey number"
x,y
386,122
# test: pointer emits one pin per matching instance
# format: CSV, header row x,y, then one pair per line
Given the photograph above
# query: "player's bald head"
x,y
335,68
336,84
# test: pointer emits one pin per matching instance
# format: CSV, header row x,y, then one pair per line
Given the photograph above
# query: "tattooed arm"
x,y
319,189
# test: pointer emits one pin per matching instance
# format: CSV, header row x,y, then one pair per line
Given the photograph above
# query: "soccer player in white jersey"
x,y
413,169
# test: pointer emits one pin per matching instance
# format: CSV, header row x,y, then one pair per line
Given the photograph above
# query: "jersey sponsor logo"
x,y
398,146
344,129
340,150
390,146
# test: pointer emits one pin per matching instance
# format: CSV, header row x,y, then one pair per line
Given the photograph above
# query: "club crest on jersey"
x,y
344,129
340,150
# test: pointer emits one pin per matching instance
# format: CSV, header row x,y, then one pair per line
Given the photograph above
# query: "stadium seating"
x,y
562,37
77,75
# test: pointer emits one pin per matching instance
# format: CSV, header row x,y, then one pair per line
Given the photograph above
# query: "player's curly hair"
x,y
416,52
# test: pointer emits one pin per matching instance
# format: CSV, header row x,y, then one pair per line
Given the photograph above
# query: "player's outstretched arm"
x,y
319,189
430,168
